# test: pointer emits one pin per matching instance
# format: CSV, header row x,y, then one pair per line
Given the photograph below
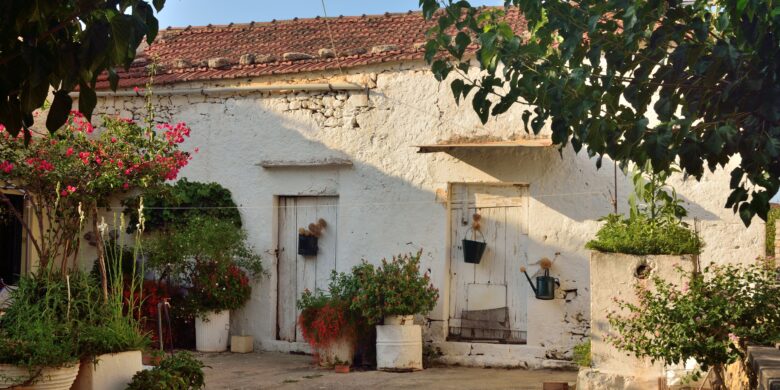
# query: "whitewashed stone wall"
x,y
388,200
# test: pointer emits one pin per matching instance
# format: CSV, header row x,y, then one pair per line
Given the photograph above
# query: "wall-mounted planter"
x,y
473,249
307,245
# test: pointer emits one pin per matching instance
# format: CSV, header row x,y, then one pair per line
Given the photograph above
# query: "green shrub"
x,y
173,205
38,328
394,288
654,225
711,317
642,236
582,354
181,371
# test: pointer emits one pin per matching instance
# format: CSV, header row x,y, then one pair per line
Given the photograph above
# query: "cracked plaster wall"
x,y
388,202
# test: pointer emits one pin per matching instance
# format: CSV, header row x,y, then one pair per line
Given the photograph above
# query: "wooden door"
x,y
488,300
298,273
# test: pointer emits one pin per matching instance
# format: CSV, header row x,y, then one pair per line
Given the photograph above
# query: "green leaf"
x,y
59,111
87,100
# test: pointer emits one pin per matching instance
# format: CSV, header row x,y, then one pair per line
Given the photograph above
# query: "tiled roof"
x,y
281,47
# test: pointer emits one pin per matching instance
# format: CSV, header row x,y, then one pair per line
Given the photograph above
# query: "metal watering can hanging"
x,y
545,284
473,249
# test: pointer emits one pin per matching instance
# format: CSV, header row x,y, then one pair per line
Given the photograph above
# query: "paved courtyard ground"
x,y
269,370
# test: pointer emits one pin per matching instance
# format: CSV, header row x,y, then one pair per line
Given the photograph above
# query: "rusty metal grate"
x,y
502,336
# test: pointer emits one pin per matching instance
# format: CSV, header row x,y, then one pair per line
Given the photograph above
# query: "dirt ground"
x,y
269,370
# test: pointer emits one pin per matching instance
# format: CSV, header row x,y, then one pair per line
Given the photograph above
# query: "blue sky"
x,y
179,13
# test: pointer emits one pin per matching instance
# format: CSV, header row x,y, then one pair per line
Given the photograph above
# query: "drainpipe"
x,y
338,86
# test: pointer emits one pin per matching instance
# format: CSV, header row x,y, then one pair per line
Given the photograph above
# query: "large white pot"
x,y
48,379
111,371
213,333
399,347
341,350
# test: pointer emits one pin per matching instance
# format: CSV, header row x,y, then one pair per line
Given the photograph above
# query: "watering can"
x,y
545,284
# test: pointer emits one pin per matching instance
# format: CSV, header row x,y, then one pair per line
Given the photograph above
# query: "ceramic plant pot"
x,y
111,371
49,378
212,334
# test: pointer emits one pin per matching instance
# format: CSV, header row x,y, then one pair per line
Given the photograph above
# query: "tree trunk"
x,y
717,382
101,252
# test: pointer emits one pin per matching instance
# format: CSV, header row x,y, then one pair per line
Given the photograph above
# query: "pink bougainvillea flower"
x,y
126,185
71,189
113,140
69,152
7,166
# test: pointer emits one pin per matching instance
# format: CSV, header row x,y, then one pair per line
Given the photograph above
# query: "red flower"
x,y
126,186
6,166
69,152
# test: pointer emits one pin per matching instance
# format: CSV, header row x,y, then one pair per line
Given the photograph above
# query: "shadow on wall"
x,y
569,184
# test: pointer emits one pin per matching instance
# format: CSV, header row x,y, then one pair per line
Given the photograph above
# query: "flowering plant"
x,y
218,286
70,173
212,256
708,318
394,288
324,319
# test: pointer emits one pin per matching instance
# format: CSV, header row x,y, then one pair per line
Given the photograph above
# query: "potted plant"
x,y
111,334
327,324
651,242
341,367
394,292
711,317
218,264
308,238
38,339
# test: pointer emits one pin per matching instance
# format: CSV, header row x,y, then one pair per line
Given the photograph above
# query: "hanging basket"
x,y
307,245
473,249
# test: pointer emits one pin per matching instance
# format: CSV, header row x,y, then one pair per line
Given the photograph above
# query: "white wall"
x,y
388,198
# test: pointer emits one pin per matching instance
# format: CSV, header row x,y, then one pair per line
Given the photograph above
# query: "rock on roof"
x,y
280,47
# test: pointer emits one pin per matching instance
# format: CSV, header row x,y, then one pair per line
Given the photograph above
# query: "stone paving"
x,y
269,370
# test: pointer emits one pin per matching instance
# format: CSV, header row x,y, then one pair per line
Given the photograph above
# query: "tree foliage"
x,y
637,81
61,45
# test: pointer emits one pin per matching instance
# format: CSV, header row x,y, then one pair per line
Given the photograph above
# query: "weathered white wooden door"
x,y
488,300
298,273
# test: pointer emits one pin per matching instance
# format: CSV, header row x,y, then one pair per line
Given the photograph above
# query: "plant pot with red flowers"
x,y
328,326
220,270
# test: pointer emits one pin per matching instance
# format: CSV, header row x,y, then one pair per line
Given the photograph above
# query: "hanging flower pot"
x,y
473,249
307,245
307,238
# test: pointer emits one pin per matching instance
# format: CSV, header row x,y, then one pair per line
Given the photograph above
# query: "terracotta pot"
x,y
341,350
341,368
151,360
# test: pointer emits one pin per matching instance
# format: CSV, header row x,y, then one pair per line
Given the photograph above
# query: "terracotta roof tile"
x,y
354,36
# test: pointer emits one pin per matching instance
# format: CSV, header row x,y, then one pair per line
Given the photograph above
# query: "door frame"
x,y
275,236
449,241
